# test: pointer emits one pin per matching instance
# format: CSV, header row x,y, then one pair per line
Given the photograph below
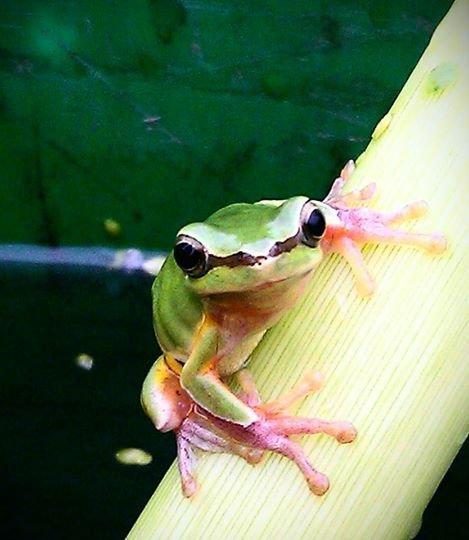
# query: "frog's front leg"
x,y
201,380
349,228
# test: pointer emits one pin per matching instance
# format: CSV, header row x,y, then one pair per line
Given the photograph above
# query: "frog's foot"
x,y
198,431
273,429
275,413
271,432
354,227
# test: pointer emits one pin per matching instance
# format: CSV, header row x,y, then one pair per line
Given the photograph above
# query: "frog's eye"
x,y
313,225
190,256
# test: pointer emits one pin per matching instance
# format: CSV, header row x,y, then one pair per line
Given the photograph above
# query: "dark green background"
x,y
260,99
257,99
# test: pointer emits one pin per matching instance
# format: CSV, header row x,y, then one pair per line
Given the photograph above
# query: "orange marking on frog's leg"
x,y
163,399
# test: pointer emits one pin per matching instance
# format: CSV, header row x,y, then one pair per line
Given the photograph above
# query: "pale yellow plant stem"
x,y
395,365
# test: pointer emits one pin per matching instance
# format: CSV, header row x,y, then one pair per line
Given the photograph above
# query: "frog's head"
x,y
247,246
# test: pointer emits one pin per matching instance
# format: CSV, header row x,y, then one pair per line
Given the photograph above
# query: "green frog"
x,y
228,280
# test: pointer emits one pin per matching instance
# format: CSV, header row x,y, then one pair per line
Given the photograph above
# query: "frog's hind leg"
x,y
203,434
272,431
198,432
284,424
275,426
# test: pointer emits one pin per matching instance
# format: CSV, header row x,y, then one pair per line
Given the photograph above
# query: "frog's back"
x,y
177,311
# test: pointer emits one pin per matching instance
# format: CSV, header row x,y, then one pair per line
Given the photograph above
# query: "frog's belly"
x,y
244,318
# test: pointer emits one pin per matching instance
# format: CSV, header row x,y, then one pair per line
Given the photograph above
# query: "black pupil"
x,y
316,224
187,256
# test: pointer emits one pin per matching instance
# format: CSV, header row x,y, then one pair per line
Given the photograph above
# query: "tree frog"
x,y
227,281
